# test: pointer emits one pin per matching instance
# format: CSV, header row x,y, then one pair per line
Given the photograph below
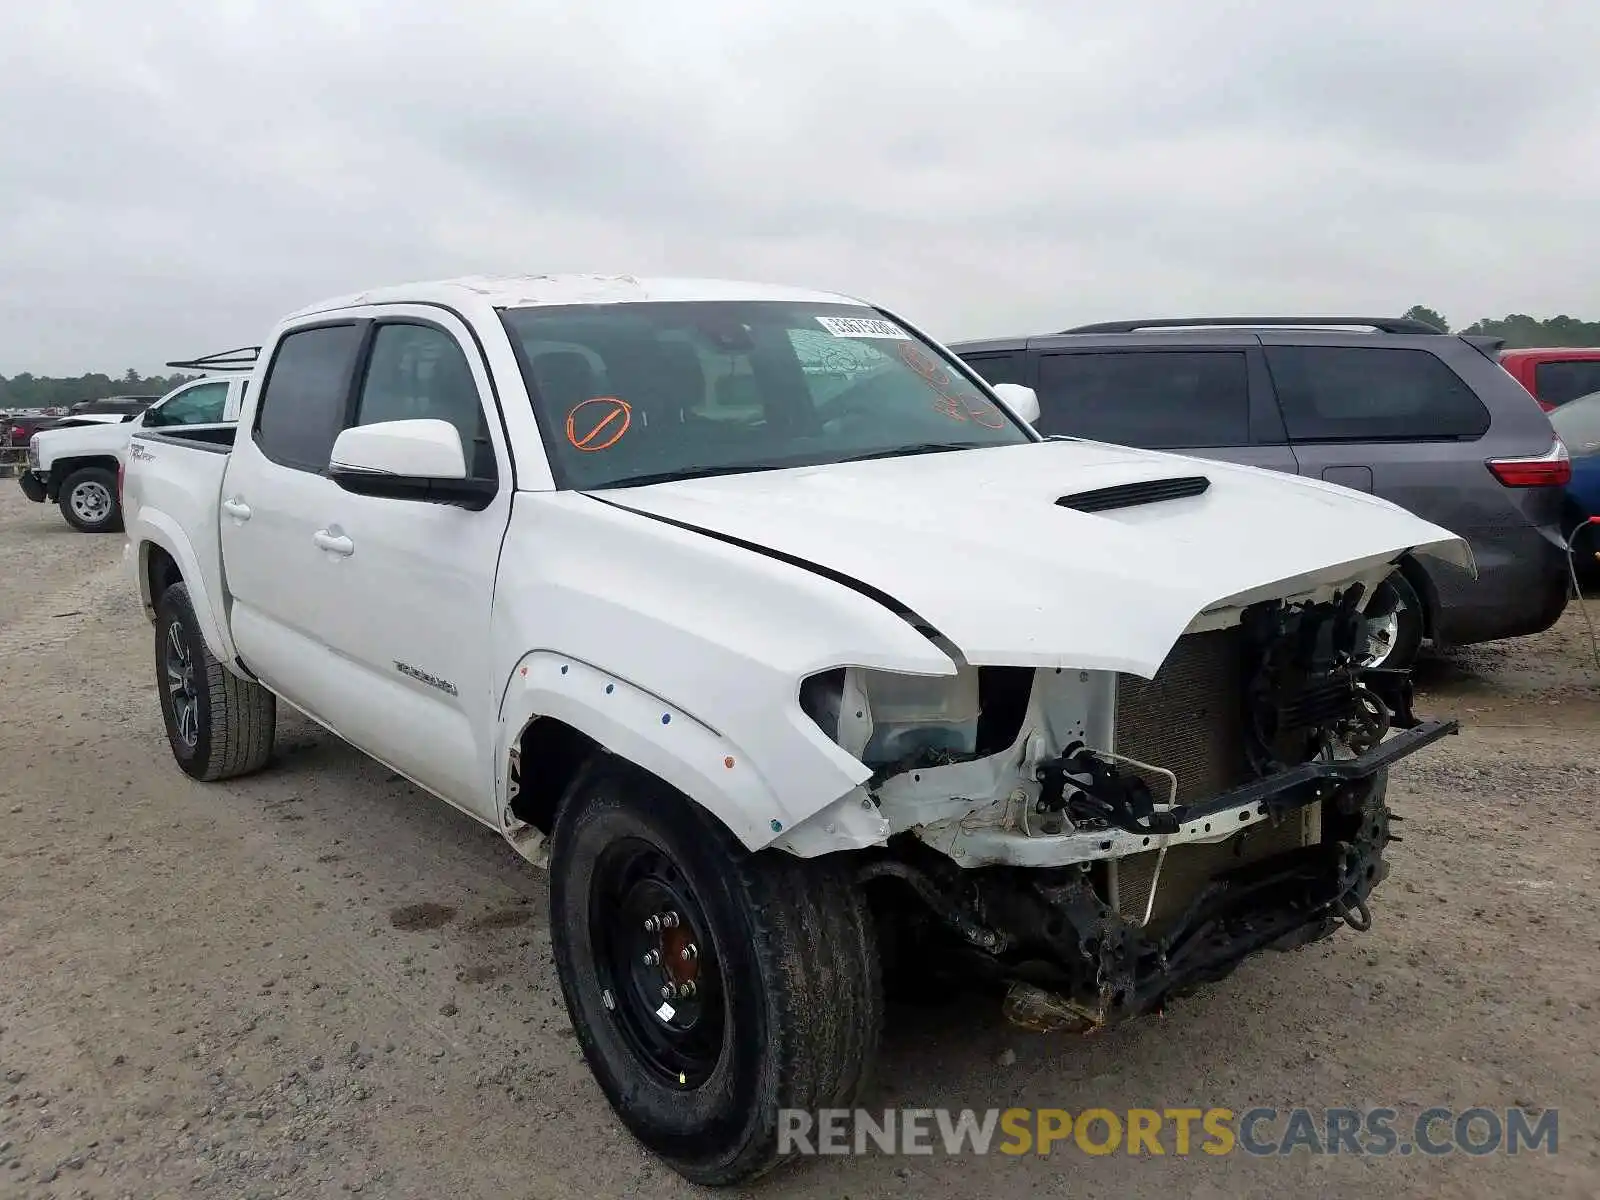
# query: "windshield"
x,y
641,393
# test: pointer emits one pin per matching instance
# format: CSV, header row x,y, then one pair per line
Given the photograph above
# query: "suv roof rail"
x,y
241,359
1381,324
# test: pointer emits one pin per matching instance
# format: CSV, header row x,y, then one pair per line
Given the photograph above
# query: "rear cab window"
x,y
1370,394
1558,382
1153,399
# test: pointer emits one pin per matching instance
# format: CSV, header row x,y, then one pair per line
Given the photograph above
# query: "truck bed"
x,y
171,499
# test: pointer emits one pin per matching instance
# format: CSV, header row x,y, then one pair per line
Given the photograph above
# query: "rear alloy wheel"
x,y
88,499
710,988
218,724
1394,624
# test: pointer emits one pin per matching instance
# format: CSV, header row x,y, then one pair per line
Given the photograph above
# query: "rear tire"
x,y
88,500
788,1001
219,724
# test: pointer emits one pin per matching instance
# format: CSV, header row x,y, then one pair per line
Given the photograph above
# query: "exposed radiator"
x,y
1190,720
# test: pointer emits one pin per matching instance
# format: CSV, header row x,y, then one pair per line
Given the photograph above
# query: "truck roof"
x,y
1552,353
518,291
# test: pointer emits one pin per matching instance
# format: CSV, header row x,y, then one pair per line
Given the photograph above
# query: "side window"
x,y
1010,367
418,371
1559,382
1360,394
1577,422
1158,400
303,404
200,405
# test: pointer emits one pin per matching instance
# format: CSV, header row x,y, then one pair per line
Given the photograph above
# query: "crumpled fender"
x,y
683,652
671,744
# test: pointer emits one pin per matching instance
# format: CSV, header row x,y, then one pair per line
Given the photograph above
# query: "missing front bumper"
x,y
1061,934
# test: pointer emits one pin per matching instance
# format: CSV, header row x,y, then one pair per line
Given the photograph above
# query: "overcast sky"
x,y
175,176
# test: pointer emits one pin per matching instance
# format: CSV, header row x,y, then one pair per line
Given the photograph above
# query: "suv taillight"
x,y
1551,469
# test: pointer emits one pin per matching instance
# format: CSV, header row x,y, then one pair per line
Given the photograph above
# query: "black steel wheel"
x,y
710,987
657,966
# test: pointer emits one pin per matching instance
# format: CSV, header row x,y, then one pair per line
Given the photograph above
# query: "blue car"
x,y
1577,423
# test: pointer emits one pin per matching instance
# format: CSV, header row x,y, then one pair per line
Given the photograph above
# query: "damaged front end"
x,y
1102,841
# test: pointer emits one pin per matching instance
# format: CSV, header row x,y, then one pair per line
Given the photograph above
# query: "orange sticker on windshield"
x,y
979,410
924,364
986,414
598,423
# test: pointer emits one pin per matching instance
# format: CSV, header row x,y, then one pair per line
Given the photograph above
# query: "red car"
x,y
1554,376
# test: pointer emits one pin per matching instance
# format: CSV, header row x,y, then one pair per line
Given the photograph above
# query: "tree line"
x,y
1520,330
46,391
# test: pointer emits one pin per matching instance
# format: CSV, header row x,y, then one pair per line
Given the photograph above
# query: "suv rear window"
x,y
1158,400
302,407
1559,382
1372,394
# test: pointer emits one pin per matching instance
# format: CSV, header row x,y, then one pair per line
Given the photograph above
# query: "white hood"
x,y
975,543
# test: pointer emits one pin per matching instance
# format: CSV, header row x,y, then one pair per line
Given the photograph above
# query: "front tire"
x,y
787,1002
88,500
219,724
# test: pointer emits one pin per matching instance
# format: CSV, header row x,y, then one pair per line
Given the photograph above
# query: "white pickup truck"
x,y
795,654
76,464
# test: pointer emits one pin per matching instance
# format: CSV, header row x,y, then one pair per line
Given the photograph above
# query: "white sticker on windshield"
x,y
859,327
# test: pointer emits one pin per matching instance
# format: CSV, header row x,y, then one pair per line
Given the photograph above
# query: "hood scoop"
x,y
1130,495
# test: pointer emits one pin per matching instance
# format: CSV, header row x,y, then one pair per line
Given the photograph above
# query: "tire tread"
x,y
243,715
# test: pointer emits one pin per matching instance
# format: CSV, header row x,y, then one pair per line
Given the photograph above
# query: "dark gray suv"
x,y
1391,406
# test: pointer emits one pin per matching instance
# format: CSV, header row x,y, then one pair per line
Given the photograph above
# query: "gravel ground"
x,y
320,981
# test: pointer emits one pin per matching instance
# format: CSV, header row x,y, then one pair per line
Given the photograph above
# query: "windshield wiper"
x,y
915,448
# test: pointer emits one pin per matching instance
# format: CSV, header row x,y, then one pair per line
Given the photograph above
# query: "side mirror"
x,y
407,460
1022,400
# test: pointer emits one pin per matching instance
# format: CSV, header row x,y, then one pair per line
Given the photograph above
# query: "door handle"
x,y
334,543
236,509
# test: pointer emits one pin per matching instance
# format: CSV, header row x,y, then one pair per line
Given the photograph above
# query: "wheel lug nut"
x,y
686,990
689,953
669,991
652,924
652,958
669,920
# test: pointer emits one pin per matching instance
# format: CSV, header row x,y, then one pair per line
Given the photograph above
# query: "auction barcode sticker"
x,y
858,327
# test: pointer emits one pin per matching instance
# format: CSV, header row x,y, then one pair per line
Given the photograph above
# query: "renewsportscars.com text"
x,y
1260,1132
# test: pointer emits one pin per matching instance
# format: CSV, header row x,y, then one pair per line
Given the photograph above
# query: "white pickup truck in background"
x,y
795,654
77,464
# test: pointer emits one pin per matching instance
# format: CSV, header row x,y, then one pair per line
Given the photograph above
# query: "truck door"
x,y
382,629
417,576
274,494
